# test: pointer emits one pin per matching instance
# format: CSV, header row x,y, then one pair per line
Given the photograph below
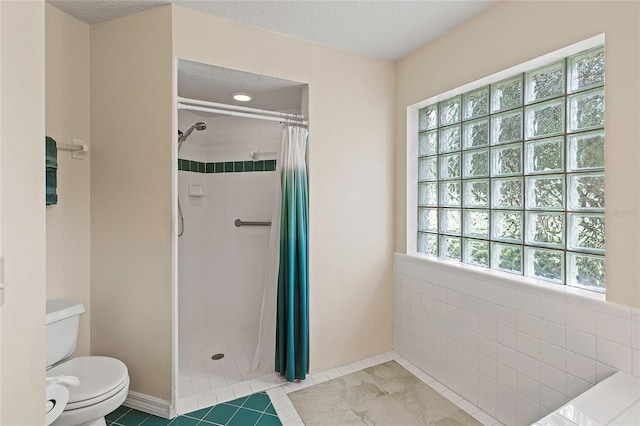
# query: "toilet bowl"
x,y
104,384
56,398
103,381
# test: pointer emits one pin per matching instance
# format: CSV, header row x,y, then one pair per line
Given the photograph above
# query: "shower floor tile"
x,y
204,378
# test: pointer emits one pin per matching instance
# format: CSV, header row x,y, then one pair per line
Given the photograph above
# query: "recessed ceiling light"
x,y
242,97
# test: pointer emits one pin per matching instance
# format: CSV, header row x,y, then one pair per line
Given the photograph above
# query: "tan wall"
x,y
22,212
131,202
350,174
67,118
511,33
351,113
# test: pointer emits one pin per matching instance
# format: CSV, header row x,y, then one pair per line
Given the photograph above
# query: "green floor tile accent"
x,y
238,166
244,417
252,410
117,413
219,168
209,167
156,421
238,402
185,421
248,166
221,413
258,166
228,167
133,417
199,414
270,165
258,402
268,420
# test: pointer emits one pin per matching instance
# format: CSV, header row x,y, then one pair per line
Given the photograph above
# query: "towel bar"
x,y
78,148
70,147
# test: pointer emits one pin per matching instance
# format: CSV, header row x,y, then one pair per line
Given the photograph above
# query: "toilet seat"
x,y
100,378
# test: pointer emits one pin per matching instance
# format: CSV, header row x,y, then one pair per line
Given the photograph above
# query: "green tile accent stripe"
x,y
227,167
252,410
191,166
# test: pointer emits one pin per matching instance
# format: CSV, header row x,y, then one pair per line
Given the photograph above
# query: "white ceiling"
x,y
380,29
216,84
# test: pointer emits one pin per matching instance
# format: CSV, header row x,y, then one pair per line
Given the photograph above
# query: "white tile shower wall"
x,y
235,138
516,350
238,256
191,245
192,254
221,267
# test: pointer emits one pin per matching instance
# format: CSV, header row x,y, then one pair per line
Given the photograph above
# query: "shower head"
x,y
183,136
198,126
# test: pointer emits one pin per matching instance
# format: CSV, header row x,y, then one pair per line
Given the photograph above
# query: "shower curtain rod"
x,y
239,108
286,120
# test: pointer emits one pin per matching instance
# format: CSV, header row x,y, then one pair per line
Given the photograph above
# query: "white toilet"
x,y
104,381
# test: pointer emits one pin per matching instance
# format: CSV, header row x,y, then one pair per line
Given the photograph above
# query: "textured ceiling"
x,y
381,29
216,84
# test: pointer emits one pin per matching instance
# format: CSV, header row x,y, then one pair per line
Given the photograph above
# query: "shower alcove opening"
x,y
226,171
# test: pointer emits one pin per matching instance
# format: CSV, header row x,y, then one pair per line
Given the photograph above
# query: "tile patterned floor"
x,y
385,394
290,417
249,408
253,410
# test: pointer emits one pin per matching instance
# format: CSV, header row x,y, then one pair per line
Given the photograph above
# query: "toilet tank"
x,y
62,320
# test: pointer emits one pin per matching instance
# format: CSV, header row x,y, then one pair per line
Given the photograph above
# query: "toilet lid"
x,y
98,375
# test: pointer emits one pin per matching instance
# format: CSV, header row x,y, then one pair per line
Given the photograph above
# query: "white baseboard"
x,y
149,404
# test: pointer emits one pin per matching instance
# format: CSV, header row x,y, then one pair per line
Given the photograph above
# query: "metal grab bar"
x,y
240,223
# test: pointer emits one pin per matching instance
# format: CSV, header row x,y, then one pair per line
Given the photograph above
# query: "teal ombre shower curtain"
x,y
284,314
292,325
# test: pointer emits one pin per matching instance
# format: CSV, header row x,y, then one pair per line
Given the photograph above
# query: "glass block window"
x,y
511,175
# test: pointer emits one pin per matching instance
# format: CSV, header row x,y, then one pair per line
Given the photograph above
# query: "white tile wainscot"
x,y
516,347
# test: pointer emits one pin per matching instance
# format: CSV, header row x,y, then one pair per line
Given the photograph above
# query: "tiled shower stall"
x,y
222,267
